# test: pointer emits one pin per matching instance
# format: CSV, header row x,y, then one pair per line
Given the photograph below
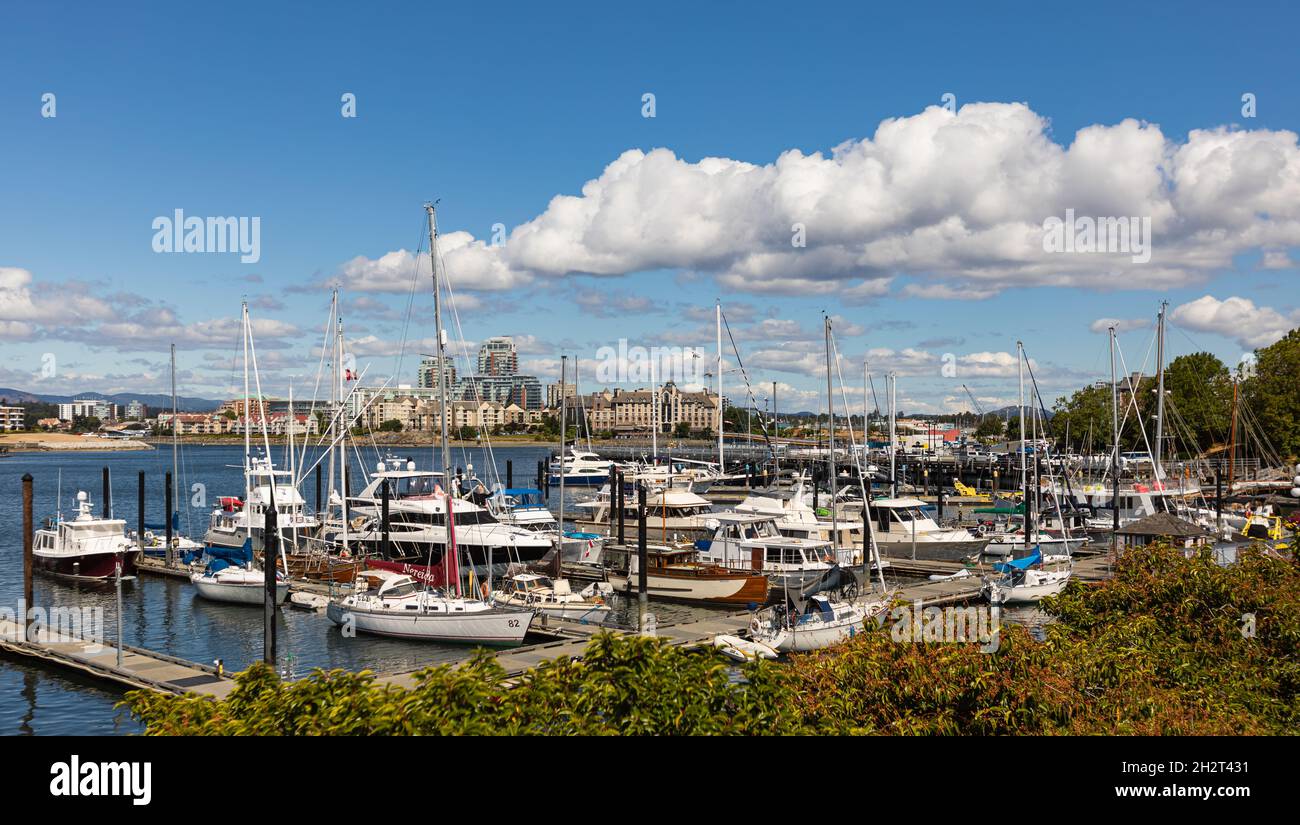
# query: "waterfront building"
x,y
11,418
498,356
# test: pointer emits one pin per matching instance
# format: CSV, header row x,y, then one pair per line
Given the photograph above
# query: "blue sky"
x,y
235,111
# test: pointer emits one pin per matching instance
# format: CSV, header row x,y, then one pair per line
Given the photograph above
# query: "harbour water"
x,y
164,614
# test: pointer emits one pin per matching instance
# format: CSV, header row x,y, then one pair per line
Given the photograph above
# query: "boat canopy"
x,y
219,558
1027,562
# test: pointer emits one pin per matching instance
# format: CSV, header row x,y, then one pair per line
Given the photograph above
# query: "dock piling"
x,y
167,499
139,509
270,563
642,596
27,555
106,504
510,474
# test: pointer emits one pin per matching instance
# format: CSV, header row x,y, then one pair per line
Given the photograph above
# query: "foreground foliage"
x,y
1168,646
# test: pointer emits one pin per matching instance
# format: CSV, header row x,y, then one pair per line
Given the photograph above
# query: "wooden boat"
x,y
675,574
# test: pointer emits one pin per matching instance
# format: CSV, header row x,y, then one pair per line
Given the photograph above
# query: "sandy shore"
x,y
47,442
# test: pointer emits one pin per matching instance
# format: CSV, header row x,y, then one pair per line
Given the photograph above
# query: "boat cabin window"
x,y
404,589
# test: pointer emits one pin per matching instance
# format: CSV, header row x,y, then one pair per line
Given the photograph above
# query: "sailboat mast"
x,y
830,454
1024,487
1160,390
1114,452
717,379
341,442
564,420
176,489
442,345
334,410
893,446
248,442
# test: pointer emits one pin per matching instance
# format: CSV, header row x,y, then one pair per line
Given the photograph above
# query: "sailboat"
x,y
151,543
1026,580
827,611
231,573
404,606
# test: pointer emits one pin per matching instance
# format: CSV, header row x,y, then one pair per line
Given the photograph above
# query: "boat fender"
x,y
483,589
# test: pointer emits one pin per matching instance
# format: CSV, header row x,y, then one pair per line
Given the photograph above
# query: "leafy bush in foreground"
x,y
1159,649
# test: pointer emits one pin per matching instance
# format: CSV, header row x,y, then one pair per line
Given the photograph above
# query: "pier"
x,y
134,669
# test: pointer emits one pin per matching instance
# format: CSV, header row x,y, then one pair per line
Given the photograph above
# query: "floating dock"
x,y
99,659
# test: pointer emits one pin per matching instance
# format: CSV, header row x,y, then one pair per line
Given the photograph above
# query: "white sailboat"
x,y
1027,580
403,606
231,574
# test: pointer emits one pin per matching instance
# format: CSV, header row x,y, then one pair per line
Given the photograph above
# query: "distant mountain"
x,y
154,401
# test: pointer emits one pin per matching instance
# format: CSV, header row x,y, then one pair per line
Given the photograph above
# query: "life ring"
x,y
982,528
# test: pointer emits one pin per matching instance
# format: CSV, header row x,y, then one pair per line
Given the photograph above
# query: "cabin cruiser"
x,y
580,467
235,520
417,523
398,605
796,518
903,530
676,574
85,548
550,598
670,511
753,542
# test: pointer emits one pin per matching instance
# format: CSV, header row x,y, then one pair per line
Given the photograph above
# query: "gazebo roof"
x,y
1163,524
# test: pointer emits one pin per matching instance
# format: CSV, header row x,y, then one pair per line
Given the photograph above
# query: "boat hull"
x,y
737,590
236,593
932,550
498,628
90,567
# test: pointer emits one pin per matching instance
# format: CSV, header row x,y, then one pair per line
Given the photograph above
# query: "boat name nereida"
x,y
77,778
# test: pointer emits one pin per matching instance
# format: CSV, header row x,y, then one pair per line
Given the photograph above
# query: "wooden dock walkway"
x,y
139,668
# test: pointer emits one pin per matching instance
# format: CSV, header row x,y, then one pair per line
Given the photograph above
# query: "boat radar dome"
x,y
381,466
410,465
81,495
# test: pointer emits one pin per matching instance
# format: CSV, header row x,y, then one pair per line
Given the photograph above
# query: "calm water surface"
x,y
163,614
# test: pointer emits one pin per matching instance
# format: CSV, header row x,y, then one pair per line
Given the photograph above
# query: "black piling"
x,y
270,563
510,474
28,534
106,503
167,497
318,488
139,508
